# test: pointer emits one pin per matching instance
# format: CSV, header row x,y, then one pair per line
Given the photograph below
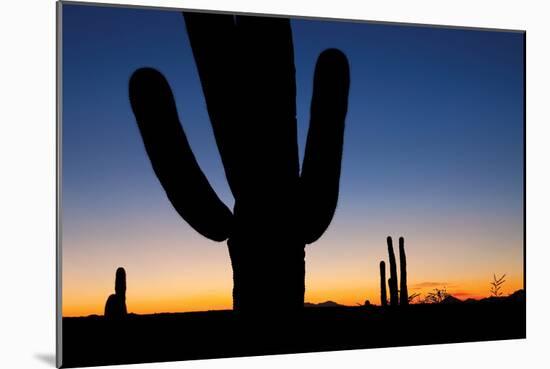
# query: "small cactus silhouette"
x,y
115,308
383,296
403,290
392,282
247,73
397,296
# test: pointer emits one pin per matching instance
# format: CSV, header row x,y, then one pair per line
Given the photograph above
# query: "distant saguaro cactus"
x,y
247,72
383,295
397,296
115,308
392,282
403,290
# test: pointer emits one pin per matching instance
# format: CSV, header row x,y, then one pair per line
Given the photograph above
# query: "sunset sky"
x,y
433,152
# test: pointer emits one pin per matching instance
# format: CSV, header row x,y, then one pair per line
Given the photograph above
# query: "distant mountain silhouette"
x,y
517,296
247,72
451,300
323,304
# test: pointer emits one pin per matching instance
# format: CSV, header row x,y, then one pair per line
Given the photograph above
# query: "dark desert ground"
x,y
92,341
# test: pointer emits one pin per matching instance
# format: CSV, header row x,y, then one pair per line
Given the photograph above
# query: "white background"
x,y
27,181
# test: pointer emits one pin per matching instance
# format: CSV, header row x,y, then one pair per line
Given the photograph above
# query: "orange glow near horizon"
x,y
139,303
199,277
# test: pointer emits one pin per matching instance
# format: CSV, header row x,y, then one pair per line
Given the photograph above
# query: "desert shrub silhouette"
x,y
496,285
436,296
247,73
115,308
414,297
397,296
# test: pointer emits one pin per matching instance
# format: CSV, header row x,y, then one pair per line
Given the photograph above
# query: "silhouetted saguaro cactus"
x,y
115,308
392,282
383,296
403,290
398,296
247,73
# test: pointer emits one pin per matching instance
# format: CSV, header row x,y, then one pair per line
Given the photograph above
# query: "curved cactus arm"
x,y
171,157
320,176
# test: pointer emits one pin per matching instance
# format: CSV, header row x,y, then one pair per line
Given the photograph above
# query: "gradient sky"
x,y
433,152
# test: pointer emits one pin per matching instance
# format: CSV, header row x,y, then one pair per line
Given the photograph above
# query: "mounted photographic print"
x,y
243,184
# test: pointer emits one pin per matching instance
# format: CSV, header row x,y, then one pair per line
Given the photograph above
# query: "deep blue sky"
x,y
434,130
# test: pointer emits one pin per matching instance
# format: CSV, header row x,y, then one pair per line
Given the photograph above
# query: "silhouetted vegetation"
x,y
392,282
436,296
413,297
496,285
115,307
247,73
403,291
383,296
397,296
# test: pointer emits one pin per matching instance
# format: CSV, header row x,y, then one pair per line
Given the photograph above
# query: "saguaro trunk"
x,y
392,282
267,281
267,256
403,291
383,296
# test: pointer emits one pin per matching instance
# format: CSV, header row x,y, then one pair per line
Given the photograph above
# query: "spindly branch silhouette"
x,y
246,68
496,285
